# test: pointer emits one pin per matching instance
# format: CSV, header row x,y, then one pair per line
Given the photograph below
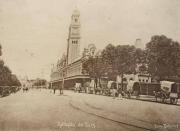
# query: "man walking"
x,y
54,90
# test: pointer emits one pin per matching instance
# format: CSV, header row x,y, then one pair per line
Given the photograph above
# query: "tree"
x,y
121,59
0,50
15,81
141,60
94,66
109,58
143,69
125,60
6,76
140,56
163,57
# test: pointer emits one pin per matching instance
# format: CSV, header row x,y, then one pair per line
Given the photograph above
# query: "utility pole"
x,y
63,75
63,81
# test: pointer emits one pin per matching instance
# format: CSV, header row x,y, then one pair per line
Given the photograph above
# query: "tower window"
x,y
74,41
76,20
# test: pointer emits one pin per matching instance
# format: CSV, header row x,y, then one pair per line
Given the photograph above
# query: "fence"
x,y
149,88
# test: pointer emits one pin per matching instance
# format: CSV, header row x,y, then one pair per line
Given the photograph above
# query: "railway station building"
x,y
69,68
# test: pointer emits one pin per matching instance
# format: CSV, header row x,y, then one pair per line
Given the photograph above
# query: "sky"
x,y
33,33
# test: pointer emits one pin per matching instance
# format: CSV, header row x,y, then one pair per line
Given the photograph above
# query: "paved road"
x,y
42,110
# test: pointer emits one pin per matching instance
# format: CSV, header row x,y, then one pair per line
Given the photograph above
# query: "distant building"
x,y
25,82
144,78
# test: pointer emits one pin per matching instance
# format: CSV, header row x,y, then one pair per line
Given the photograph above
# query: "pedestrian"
x,y
114,87
54,90
60,90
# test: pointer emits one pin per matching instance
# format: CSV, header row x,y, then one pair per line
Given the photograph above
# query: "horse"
x,y
25,89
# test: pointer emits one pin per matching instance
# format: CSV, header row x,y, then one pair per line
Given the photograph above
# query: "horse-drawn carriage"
x,y
5,90
168,90
111,89
78,87
25,89
93,88
133,88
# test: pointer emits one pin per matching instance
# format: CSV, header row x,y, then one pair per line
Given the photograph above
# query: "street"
x,y
42,110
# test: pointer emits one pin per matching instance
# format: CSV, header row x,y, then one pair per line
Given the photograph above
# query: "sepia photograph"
x,y
89,65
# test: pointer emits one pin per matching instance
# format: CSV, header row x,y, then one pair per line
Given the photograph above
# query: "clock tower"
x,y
73,49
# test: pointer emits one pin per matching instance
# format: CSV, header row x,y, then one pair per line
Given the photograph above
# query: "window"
x,y
74,41
75,20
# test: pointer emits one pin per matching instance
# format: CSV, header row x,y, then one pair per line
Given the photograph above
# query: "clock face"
x,y
76,20
75,31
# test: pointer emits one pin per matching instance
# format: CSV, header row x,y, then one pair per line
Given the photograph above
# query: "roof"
x,y
131,84
166,83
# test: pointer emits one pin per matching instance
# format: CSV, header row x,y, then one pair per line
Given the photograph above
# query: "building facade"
x,y
68,69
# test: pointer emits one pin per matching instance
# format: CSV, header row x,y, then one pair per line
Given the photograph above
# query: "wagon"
x,y
168,90
78,87
133,88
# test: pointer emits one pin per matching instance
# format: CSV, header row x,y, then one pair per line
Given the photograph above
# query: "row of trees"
x,y
160,59
6,76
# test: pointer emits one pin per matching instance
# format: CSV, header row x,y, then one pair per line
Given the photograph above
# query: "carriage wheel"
x,y
176,100
173,100
163,100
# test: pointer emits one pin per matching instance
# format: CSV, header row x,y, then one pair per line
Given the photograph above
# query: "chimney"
x,y
139,44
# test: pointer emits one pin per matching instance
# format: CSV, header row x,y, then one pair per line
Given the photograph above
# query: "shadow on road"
x,y
62,95
154,101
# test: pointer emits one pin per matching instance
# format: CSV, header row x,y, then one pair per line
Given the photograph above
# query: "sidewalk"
x,y
144,97
152,99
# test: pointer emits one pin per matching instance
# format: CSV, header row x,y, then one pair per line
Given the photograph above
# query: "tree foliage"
x,y
15,81
163,57
0,50
6,76
94,66
109,58
122,59
125,59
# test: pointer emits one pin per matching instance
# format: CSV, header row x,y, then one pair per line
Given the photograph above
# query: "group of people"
x,y
25,89
60,90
